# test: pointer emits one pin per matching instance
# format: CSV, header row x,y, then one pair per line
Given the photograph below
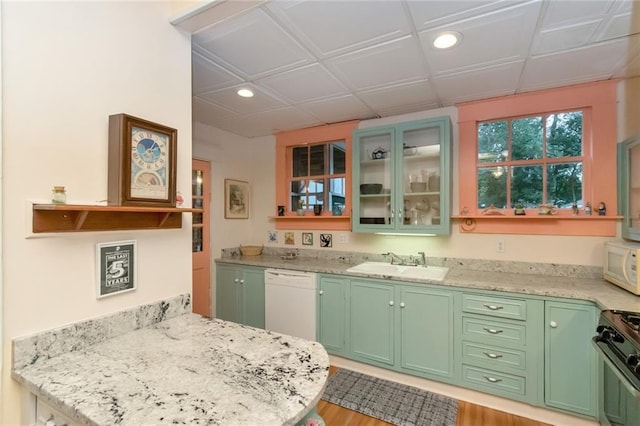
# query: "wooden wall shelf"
x,y
87,218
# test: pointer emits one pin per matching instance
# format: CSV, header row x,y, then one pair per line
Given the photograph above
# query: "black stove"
x,y
618,339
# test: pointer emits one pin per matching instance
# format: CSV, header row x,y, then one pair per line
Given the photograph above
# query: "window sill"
x,y
311,221
533,224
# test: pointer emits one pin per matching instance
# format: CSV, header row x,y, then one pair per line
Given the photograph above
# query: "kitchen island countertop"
x,y
535,283
183,370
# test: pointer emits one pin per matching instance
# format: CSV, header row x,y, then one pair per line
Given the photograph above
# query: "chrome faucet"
x,y
424,259
394,257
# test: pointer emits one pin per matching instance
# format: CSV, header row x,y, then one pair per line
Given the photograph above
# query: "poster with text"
x,y
116,267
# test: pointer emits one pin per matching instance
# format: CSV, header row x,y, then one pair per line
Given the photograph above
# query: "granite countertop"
x,y
184,370
531,279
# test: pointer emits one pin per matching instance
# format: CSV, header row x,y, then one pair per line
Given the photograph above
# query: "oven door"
x,y
619,398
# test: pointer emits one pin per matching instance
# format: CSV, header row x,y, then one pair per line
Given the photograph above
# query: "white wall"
x,y
66,67
236,157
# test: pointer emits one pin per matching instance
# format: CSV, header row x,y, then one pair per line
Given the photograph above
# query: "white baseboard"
x,y
497,403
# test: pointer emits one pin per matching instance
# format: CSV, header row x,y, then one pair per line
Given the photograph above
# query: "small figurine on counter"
x,y
587,209
574,208
602,209
518,210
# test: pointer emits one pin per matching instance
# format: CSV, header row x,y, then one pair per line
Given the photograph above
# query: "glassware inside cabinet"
x,y
376,177
421,175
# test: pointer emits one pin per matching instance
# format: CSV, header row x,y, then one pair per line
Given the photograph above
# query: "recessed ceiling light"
x,y
245,93
447,40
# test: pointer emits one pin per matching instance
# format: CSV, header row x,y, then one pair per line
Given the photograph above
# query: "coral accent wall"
x,y
285,140
598,101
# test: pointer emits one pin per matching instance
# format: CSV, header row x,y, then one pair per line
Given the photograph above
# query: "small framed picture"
x,y
326,240
116,267
236,199
307,238
289,238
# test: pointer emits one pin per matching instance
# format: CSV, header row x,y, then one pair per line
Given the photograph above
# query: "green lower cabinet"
x,y
240,294
332,304
571,369
371,322
426,332
407,328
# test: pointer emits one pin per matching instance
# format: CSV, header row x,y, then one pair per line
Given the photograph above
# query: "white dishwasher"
x,y
290,302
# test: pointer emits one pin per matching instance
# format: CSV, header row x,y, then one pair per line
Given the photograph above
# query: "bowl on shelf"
x,y
418,186
370,188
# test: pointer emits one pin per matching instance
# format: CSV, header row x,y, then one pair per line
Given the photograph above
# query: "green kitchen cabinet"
x,y
407,328
332,311
571,369
372,321
240,294
402,178
426,329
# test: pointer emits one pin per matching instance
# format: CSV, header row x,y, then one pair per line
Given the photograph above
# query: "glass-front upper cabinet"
x,y
629,187
401,178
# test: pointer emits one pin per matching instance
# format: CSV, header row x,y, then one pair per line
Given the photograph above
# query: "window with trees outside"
x,y
318,175
528,161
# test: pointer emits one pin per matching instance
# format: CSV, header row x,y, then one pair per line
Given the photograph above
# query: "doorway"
x,y
200,247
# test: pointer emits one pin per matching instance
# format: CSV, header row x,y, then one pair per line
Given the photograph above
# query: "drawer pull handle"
x,y
492,379
493,307
491,355
492,330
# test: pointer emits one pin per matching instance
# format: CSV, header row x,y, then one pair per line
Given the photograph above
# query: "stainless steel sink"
x,y
431,273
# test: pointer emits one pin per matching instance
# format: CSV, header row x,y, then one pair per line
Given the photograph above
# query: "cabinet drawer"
x,y
495,331
492,380
502,307
493,356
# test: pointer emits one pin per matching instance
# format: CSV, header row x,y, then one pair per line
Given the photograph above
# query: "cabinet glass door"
x,y
373,199
629,187
419,177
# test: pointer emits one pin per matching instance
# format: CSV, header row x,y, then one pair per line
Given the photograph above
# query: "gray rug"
x,y
389,401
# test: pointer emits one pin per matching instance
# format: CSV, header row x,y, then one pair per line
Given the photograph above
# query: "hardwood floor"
x,y
468,415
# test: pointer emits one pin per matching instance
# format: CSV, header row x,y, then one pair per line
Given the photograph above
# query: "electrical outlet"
x,y
343,238
500,246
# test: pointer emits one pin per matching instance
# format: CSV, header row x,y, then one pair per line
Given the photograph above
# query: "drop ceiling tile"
x,y
206,75
305,84
564,38
330,28
571,12
482,83
593,63
229,99
252,45
382,65
427,14
202,107
338,109
620,22
493,38
287,118
392,98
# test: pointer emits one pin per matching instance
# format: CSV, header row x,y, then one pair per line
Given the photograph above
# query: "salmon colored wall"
x,y
599,172
311,135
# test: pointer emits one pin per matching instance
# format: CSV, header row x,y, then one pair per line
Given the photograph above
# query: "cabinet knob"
x,y
321,292
553,324
390,302
402,305
241,281
236,280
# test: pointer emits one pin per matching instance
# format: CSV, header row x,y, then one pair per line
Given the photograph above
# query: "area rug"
x,y
389,401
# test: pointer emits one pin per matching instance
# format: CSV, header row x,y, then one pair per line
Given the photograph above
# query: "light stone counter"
x,y
186,369
536,279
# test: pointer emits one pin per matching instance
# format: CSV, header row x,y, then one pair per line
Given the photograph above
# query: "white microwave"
x,y
621,265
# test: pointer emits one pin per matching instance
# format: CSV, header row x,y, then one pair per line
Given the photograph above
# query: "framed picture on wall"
x,y
116,267
237,196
